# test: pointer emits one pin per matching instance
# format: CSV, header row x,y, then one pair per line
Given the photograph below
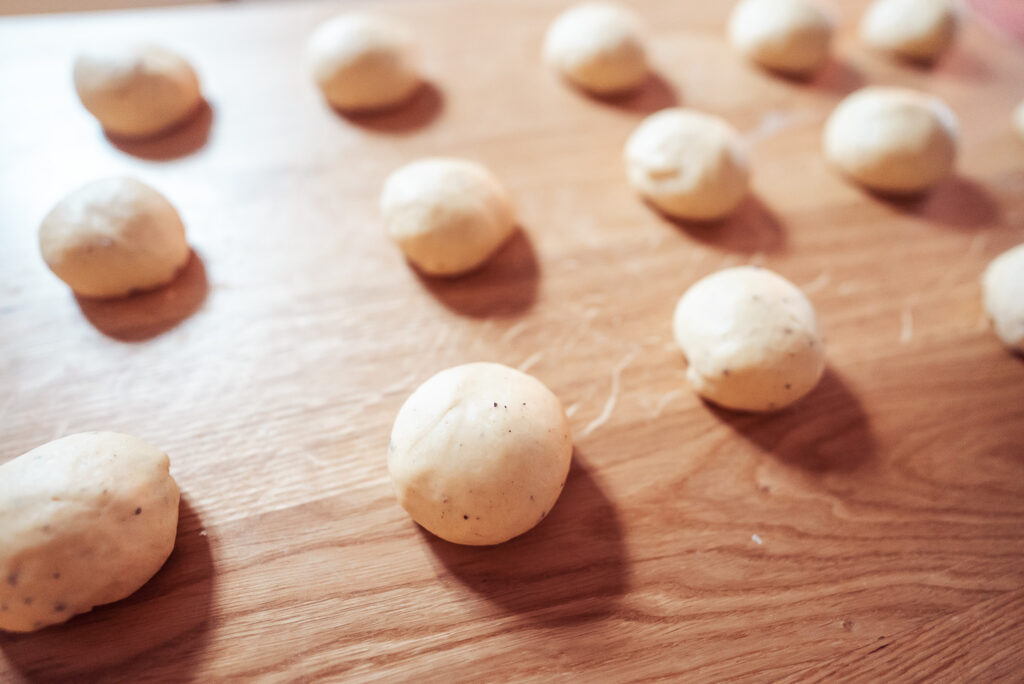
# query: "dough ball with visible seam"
x,y
447,215
919,30
84,520
750,338
362,62
688,164
137,91
1003,294
112,237
479,453
789,36
598,47
892,140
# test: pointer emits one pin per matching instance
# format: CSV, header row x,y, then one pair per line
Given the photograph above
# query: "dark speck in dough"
x,y
137,511
59,607
28,600
12,579
465,517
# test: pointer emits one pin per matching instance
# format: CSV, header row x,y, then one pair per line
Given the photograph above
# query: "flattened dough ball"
x,y
113,237
598,47
688,164
790,36
919,30
892,140
363,62
479,453
1003,290
750,338
84,520
447,215
137,91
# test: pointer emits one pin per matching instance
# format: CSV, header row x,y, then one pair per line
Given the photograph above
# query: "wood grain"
x,y
690,543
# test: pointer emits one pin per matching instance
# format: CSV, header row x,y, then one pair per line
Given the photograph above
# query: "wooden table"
x,y
875,531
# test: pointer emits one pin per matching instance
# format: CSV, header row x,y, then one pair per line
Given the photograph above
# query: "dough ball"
x,y
448,215
892,140
688,164
112,237
479,453
1003,289
750,338
362,62
598,47
1018,119
84,520
137,91
918,30
791,36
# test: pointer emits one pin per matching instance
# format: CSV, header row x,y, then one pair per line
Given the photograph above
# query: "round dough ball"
x,y
113,237
750,338
447,215
688,164
479,453
362,62
1003,290
84,520
598,47
1018,119
791,36
918,30
892,140
137,91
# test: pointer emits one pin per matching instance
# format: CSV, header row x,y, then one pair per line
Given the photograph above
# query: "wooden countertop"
x,y
875,531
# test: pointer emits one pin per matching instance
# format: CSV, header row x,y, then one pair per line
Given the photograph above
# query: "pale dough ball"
x,y
1018,119
362,62
1003,290
479,453
892,140
137,91
84,520
447,215
113,237
688,164
750,338
791,36
913,29
598,47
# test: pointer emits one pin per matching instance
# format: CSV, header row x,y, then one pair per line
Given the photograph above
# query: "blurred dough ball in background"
x,y
750,338
599,47
688,164
113,237
1003,293
479,453
892,140
136,91
447,215
789,36
919,30
363,62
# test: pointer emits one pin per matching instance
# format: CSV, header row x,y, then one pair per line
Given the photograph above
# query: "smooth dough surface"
x,y
137,91
1003,291
750,338
84,520
113,237
447,215
598,46
688,164
913,29
363,62
479,453
893,140
791,36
